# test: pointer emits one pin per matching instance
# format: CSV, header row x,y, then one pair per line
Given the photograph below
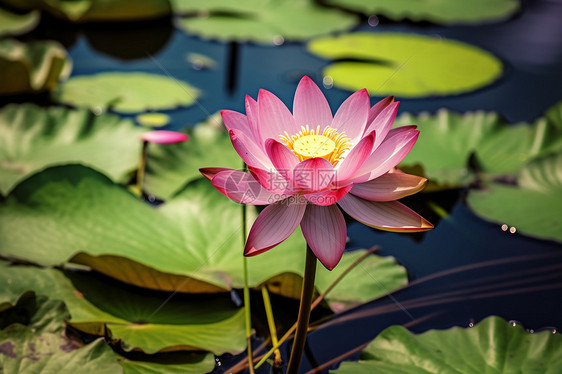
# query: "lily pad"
x,y
200,62
171,167
32,138
32,67
22,350
153,119
492,346
193,243
39,313
197,363
406,65
17,24
39,346
126,92
96,10
448,139
440,11
532,206
260,21
138,319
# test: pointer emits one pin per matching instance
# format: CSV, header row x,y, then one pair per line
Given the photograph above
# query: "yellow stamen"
x,y
309,143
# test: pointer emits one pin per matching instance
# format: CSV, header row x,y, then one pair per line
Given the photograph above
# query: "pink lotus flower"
x,y
302,164
164,137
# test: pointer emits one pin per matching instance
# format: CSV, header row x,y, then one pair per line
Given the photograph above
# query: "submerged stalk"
x,y
277,361
304,312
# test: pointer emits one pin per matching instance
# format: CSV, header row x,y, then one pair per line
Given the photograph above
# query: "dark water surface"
x,y
492,272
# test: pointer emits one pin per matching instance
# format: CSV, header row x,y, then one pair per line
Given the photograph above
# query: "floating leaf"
x,y
139,319
197,363
406,65
492,346
440,11
448,139
171,167
40,347
32,67
190,244
42,315
126,92
21,349
16,24
153,119
96,10
32,138
532,206
269,22
199,61
39,313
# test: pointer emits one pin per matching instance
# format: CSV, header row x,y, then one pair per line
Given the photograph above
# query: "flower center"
x,y
313,146
309,143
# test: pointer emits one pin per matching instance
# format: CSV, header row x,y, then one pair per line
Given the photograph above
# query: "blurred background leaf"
x,y
126,92
405,65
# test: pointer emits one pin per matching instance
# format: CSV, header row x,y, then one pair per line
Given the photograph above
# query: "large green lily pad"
x,y
126,92
193,243
532,206
96,10
23,351
406,65
438,11
138,319
37,312
170,167
448,139
16,24
33,340
45,318
197,363
31,67
493,346
32,138
260,21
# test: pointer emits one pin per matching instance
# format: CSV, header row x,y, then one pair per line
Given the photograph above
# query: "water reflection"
x,y
129,41
121,40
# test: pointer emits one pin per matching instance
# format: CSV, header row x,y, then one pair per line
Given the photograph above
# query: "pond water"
x,y
480,269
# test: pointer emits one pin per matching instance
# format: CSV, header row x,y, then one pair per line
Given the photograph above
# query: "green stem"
x,y
248,317
304,312
142,166
277,362
247,313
